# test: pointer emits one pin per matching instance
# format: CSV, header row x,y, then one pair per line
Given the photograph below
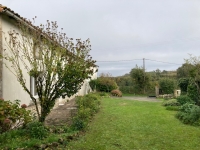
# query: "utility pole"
x,y
144,72
144,64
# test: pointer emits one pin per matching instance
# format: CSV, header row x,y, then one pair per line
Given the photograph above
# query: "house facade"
x,y
10,88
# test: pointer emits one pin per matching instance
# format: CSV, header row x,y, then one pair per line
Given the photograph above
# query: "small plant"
x,y
184,99
36,130
171,102
117,93
78,124
58,129
12,116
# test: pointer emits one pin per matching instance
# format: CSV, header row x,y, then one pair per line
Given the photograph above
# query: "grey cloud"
x,y
124,29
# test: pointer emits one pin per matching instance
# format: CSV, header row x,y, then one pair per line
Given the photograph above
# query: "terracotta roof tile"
x,y
4,8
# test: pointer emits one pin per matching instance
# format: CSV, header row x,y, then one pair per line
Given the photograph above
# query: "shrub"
x,y
93,84
184,99
88,105
183,84
117,93
106,86
91,101
36,130
189,114
12,116
192,92
78,124
171,102
103,84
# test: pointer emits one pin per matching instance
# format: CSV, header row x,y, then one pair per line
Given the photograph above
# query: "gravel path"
x,y
138,98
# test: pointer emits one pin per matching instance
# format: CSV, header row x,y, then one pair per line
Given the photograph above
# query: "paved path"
x,y
140,98
63,114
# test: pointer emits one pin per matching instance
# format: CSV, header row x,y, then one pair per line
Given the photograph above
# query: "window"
x,y
33,87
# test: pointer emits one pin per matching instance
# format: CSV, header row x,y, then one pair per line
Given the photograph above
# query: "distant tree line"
x,y
137,81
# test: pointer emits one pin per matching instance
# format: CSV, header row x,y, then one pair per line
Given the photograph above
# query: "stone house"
x,y
10,88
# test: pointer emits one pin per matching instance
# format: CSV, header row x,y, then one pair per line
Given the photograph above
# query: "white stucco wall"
x,y
86,87
12,89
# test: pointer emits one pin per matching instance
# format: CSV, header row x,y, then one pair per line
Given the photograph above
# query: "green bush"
x,y
106,86
91,101
183,84
36,130
78,124
12,116
184,99
81,119
93,84
171,102
117,93
103,84
192,92
189,114
87,105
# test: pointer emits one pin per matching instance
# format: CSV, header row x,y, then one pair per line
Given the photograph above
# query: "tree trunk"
x,y
44,113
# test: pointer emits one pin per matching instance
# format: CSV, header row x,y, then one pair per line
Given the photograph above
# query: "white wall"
x,y
12,89
86,87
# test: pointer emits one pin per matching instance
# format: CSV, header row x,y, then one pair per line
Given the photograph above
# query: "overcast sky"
x,y
157,30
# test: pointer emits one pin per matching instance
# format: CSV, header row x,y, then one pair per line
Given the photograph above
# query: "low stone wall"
x,y
166,96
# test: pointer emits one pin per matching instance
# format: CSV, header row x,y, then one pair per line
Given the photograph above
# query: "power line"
x,y
117,60
164,62
141,59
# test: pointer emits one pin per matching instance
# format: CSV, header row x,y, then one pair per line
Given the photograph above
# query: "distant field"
x,y
129,125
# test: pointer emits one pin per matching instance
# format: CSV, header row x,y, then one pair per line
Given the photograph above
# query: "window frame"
x,y
33,89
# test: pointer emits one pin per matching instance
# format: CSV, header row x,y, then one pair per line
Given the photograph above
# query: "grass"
x,y
123,124
18,139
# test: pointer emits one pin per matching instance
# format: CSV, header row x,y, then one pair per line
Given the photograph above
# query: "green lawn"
x,y
127,125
